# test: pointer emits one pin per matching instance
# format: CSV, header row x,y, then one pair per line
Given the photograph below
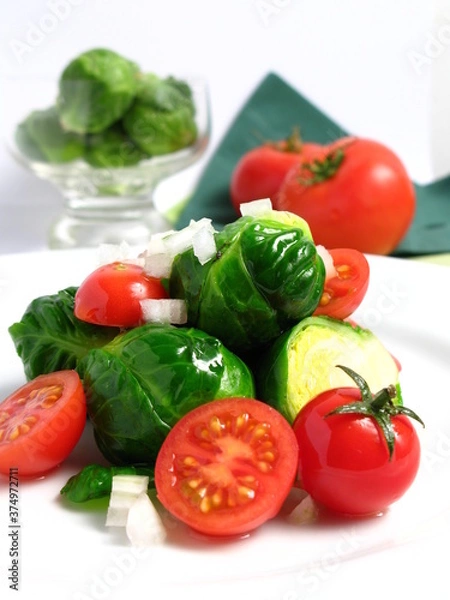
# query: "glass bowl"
x,y
106,205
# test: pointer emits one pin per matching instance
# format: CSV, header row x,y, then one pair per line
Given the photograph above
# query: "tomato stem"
x,y
379,406
318,171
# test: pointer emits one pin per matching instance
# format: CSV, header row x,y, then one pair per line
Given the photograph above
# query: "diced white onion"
x,y
305,512
158,265
144,526
162,248
108,253
330,270
164,310
125,489
204,243
256,208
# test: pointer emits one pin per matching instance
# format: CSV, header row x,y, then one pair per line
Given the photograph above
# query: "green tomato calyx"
x,y
379,406
319,170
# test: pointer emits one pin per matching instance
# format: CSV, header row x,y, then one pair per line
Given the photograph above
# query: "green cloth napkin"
x,y
271,112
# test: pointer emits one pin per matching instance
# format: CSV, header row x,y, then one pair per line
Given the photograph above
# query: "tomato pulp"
x,y
41,422
227,466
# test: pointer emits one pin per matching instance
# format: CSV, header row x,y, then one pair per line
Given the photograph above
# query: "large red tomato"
x,y
354,193
260,172
358,453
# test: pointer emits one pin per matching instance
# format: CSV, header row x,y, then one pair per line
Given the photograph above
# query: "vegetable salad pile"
x,y
220,368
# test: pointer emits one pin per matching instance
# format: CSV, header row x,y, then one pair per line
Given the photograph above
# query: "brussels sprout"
x,y
41,137
302,363
95,90
50,338
26,144
112,148
161,120
266,276
139,385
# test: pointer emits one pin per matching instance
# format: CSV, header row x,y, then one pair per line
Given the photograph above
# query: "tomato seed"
x,y
14,434
344,271
325,299
2,433
4,416
205,505
246,492
217,498
194,483
263,466
215,425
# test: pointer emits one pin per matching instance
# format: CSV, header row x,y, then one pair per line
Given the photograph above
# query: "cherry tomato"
x,y
260,172
355,193
345,461
41,422
345,291
111,295
227,466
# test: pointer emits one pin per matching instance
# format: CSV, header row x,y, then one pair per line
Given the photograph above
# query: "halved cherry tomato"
x,y
260,172
41,422
344,292
227,466
111,295
347,462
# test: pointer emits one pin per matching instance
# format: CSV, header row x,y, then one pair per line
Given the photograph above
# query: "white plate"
x,y
68,553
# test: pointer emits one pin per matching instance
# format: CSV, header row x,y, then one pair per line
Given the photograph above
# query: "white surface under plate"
x,y
68,553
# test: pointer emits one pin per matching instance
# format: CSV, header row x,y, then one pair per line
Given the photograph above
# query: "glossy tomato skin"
x,y
261,171
367,204
41,422
345,291
227,466
111,295
344,460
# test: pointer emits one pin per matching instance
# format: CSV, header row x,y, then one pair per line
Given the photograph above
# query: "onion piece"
x,y
305,512
144,526
204,243
124,491
158,265
256,208
123,252
330,270
162,248
164,310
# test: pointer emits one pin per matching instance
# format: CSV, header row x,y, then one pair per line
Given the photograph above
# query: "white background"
x,y
380,69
